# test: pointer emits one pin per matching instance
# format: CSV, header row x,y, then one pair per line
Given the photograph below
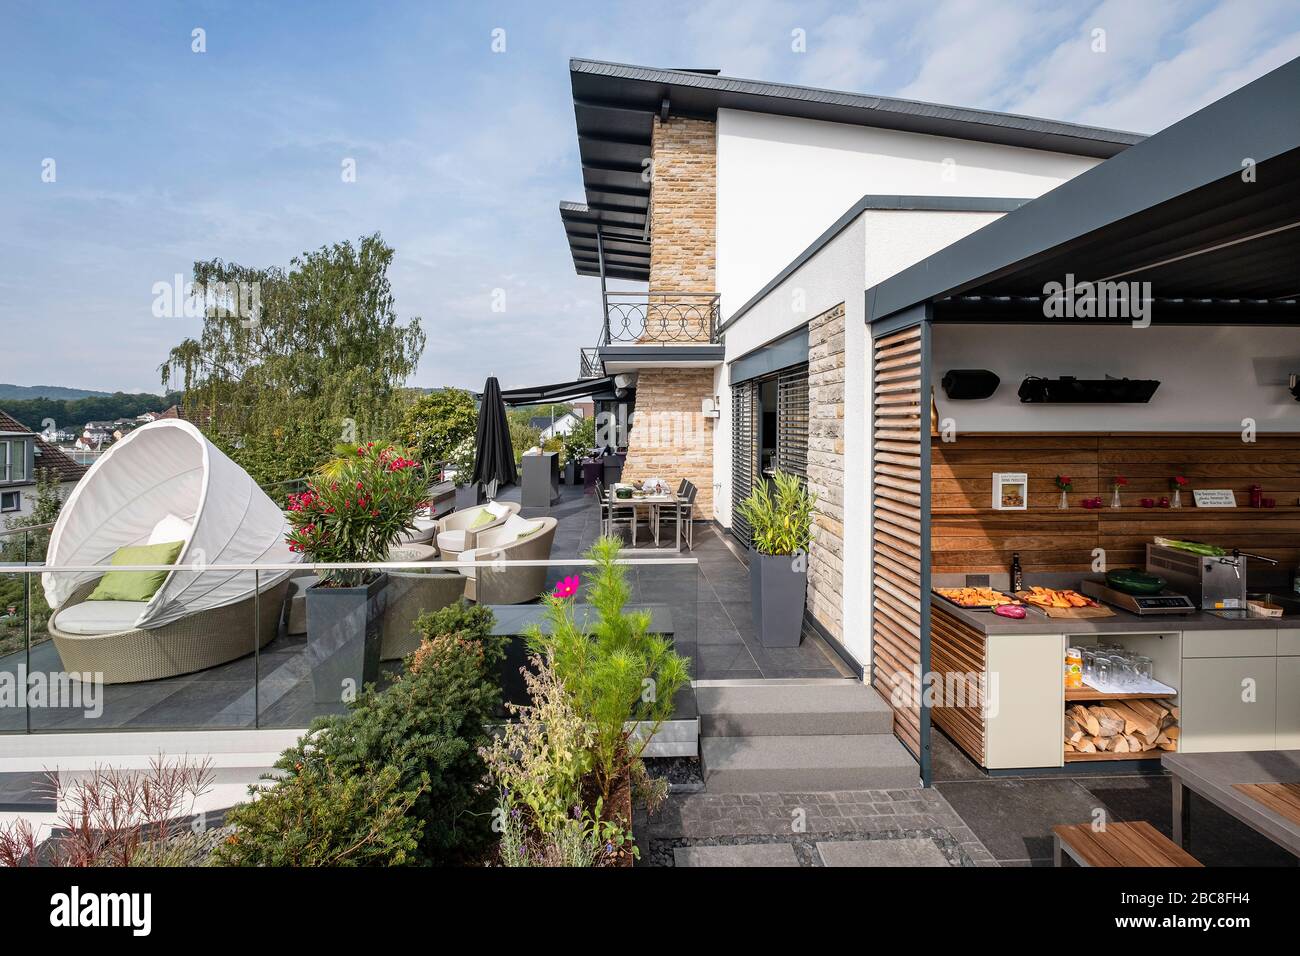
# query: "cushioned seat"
x,y
99,617
451,542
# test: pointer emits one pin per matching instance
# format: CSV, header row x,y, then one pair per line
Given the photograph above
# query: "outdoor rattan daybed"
x,y
166,482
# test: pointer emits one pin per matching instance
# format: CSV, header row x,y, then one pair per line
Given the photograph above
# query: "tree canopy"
x,y
435,424
292,361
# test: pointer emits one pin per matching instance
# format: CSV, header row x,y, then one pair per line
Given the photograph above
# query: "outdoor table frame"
x,y
653,503
1212,775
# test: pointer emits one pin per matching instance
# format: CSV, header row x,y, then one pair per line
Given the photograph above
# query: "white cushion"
x,y
497,510
99,617
170,528
451,541
516,526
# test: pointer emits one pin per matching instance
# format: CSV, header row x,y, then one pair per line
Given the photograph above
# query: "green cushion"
x,y
484,517
536,527
136,585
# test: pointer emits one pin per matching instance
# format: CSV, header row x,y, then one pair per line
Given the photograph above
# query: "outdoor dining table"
x,y
1226,779
653,503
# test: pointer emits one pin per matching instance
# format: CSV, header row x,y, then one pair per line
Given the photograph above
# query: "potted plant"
x,y
780,520
352,512
577,445
468,492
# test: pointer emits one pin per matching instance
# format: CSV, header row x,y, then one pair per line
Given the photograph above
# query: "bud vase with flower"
x,y
1066,484
1176,484
1116,484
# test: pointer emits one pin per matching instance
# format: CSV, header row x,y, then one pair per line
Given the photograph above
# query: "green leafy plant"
x,y
580,440
357,509
436,424
429,727
780,516
622,679
323,816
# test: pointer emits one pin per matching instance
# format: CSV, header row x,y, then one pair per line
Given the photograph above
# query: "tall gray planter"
x,y
777,593
344,634
468,496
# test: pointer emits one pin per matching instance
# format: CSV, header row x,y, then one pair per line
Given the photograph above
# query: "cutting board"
x,y
1070,613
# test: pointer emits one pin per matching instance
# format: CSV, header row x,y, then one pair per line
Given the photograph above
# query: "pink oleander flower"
x,y
567,587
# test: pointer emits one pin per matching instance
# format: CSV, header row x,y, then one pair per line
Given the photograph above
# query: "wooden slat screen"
x,y
957,650
744,454
792,420
897,472
968,536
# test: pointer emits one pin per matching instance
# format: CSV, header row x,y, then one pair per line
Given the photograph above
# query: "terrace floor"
x,y
726,645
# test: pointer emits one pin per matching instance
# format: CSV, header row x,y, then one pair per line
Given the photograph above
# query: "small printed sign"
x,y
1214,498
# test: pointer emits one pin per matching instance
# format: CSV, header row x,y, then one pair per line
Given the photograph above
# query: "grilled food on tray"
x,y
1054,597
975,597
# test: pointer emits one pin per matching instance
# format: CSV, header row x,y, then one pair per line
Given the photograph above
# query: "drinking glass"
x,y
1142,669
1103,672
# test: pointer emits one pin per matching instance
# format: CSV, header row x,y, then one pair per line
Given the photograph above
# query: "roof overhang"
x,y
632,358
615,104
1206,211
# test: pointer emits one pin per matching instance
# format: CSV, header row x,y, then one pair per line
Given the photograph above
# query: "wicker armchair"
x,y
509,583
454,534
410,594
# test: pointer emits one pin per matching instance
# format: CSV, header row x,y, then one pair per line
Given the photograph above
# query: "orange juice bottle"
x,y
1073,668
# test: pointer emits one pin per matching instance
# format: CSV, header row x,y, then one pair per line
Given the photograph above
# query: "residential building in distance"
x,y
23,456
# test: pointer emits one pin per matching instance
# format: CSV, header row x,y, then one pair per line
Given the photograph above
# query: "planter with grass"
x,y
780,518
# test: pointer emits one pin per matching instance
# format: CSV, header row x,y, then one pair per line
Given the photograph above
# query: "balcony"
x,y
655,329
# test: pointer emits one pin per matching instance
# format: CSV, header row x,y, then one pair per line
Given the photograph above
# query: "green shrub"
x,y
426,729
322,816
613,668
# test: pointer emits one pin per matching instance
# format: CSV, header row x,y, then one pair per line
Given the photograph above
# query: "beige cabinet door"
x,y
1288,703
1024,721
1228,703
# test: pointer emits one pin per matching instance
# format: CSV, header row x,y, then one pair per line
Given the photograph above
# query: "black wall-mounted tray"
x,y
1086,391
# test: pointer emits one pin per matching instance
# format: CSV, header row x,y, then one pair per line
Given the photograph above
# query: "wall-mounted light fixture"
x,y
709,407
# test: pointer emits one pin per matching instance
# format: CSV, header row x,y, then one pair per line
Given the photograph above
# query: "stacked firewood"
x,y
1121,727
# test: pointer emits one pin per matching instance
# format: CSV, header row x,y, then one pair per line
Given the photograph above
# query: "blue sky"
x,y
164,156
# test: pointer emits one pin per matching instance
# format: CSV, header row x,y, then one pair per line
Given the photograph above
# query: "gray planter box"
x,y
570,473
777,593
344,633
541,480
468,496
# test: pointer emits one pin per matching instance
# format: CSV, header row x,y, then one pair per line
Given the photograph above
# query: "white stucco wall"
x,y
782,181
1210,378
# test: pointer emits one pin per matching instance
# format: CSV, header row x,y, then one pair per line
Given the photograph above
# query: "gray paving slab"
x,y
904,852
743,854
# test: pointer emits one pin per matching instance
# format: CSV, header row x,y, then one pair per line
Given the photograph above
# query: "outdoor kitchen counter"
x,y
1036,622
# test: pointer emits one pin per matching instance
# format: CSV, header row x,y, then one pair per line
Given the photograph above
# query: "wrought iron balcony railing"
x,y
661,318
589,364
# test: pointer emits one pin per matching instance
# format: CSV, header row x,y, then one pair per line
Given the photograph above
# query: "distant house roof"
x,y
48,458
12,425
540,421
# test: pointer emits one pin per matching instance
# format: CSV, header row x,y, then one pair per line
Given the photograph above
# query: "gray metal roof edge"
x,y
886,104
874,202
686,350
1260,120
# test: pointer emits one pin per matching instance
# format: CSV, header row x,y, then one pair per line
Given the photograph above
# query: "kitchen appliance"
x,y
1213,583
1166,602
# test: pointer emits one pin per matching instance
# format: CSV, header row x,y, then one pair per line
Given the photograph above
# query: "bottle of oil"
x,y
1017,576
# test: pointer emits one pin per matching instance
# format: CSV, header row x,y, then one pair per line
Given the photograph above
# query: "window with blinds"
x,y
744,454
792,420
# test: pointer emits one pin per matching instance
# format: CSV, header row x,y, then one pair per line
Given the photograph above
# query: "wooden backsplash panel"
x,y
967,535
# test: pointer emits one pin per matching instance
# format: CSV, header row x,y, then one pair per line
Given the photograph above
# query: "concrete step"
x,y
810,763
744,854
783,709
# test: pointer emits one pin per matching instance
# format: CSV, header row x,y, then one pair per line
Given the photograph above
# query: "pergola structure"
x,y
1206,211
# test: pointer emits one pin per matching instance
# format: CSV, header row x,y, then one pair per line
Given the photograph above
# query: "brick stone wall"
x,y
826,468
683,206
670,438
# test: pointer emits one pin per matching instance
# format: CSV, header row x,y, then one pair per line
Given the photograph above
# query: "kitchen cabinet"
x,y
1288,703
1215,712
1026,707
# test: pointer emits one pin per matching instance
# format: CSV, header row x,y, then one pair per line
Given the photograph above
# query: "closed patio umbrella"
x,y
494,456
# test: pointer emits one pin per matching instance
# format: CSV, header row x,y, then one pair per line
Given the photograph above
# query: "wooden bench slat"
x,y
1136,844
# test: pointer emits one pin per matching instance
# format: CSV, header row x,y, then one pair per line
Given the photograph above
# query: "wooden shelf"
x,y
1089,693
1099,757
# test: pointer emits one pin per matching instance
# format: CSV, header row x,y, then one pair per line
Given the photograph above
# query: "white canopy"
x,y
168,470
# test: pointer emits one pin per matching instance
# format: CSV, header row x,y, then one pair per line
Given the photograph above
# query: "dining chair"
x,y
610,512
684,512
